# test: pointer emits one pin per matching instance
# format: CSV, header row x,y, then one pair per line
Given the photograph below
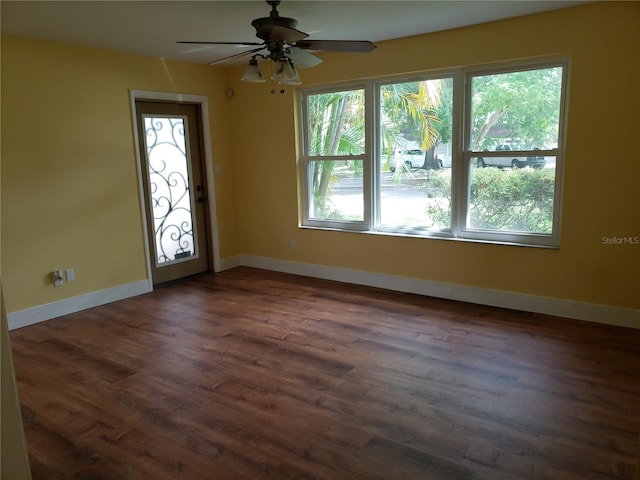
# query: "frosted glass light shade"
x,y
285,73
293,80
253,74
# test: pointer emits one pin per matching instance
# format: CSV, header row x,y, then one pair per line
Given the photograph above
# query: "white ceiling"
x,y
153,27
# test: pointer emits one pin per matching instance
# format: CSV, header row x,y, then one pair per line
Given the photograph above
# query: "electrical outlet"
x,y
70,274
58,281
294,244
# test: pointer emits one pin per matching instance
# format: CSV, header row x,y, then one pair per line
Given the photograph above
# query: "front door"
x,y
174,189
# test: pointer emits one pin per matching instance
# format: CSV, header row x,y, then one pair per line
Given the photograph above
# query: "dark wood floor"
x,y
250,374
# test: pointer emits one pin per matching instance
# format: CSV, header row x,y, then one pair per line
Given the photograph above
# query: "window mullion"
x,y
460,161
370,165
376,168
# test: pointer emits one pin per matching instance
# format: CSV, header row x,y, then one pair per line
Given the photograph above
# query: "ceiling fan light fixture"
x,y
285,73
291,81
253,74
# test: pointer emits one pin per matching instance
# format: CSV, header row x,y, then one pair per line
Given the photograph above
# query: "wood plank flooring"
x,y
250,374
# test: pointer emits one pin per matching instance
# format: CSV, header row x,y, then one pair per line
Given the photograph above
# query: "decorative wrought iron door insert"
x,y
170,181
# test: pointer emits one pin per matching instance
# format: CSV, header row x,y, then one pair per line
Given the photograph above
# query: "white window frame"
x,y
533,239
306,162
461,156
376,207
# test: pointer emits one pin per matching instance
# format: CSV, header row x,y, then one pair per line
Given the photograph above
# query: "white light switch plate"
x,y
71,275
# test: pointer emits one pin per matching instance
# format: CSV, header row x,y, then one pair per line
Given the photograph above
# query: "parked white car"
x,y
513,162
414,158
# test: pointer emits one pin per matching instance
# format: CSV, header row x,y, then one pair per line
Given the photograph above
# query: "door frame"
x,y
212,234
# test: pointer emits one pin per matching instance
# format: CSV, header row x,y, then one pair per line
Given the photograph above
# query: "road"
x,y
402,203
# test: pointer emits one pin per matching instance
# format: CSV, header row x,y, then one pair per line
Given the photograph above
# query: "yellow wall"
x,y
602,168
69,184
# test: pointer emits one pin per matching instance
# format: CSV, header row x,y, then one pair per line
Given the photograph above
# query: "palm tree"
x,y
410,110
336,127
336,123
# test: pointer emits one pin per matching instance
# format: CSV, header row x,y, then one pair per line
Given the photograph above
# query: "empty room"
x,y
331,240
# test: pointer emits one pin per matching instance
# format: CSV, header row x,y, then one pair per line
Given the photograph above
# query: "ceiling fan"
x,y
286,46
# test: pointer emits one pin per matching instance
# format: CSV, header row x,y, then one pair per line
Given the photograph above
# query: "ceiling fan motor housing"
x,y
264,25
264,28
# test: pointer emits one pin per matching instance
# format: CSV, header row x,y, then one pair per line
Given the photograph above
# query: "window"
x,y
414,167
336,151
513,133
469,153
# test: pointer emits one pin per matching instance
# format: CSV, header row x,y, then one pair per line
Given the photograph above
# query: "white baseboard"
x,y
229,263
622,317
29,316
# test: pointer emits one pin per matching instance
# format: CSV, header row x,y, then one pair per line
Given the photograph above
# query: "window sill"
x,y
446,236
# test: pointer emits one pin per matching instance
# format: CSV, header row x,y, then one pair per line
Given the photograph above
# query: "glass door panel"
x,y
170,188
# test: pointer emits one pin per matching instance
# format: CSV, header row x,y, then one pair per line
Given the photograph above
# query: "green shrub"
x,y
508,200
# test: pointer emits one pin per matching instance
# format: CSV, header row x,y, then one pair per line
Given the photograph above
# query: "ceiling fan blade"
x,y
303,59
253,50
357,46
248,44
286,34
